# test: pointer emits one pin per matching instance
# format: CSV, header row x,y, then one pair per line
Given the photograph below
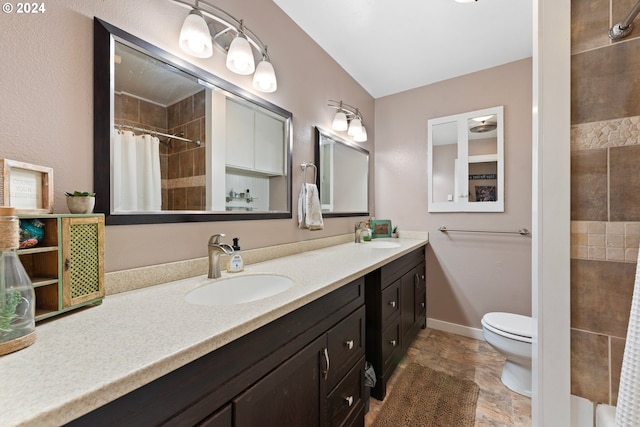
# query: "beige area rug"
x,y
422,397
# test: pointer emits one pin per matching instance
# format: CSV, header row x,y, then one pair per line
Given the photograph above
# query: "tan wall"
x,y
605,194
467,274
47,104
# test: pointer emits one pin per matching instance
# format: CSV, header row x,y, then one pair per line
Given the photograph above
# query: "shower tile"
x,y
589,185
601,296
615,254
173,115
617,352
596,253
130,109
624,183
589,24
590,366
615,240
605,83
200,161
186,110
614,228
581,227
186,163
193,132
153,115
199,104
631,255
596,240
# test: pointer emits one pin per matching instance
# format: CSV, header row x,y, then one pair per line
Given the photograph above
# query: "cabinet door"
x,y
82,259
269,150
239,135
413,308
290,396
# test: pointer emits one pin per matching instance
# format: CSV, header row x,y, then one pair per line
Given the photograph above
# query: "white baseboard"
x,y
465,331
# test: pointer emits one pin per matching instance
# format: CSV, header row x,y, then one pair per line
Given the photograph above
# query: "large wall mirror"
x,y
466,162
343,175
174,143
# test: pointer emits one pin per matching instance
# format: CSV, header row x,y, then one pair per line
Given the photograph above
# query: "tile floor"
x,y
471,359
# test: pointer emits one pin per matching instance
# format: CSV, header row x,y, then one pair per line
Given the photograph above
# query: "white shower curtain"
x,y
136,172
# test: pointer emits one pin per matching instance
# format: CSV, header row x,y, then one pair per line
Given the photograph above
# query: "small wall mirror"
x,y
174,143
343,175
466,162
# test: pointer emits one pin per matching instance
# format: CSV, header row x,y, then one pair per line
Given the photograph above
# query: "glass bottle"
x,y
17,298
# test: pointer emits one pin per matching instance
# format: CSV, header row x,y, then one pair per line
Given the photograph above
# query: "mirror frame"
x,y
105,36
318,161
461,121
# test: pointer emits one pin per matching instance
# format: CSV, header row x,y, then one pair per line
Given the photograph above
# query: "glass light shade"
x,y
240,56
355,127
264,78
340,121
362,137
195,38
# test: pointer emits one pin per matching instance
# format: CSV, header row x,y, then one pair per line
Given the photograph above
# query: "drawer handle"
x,y
67,264
326,359
349,344
392,303
349,400
392,342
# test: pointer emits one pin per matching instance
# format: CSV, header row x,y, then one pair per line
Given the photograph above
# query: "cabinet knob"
x,y
67,264
349,400
392,303
422,304
349,344
393,343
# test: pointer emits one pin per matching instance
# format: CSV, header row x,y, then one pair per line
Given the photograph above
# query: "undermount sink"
x,y
383,245
238,290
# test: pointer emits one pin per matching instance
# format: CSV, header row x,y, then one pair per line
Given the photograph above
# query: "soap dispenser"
x,y
236,264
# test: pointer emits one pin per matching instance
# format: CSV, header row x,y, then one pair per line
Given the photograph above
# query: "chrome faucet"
x,y
215,249
360,226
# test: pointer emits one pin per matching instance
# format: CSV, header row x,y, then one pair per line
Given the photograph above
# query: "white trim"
x,y
550,246
465,331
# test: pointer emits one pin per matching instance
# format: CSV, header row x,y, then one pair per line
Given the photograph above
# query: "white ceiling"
x,y
389,46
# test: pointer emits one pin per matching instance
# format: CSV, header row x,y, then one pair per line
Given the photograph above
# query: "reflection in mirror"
x,y
184,145
465,162
343,177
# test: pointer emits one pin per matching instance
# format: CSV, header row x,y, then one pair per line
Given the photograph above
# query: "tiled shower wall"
x,y
186,161
605,193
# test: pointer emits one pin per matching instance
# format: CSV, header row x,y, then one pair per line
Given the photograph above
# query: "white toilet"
x,y
510,334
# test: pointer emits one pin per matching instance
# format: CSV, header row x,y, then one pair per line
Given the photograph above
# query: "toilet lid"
x,y
515,324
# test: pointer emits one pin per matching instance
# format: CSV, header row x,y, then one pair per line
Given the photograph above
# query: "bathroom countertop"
x,y
90,357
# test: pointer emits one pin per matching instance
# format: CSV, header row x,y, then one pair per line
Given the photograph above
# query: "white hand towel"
x,y
309,210
628,406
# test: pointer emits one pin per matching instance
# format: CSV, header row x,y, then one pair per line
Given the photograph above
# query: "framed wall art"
x,y
26,187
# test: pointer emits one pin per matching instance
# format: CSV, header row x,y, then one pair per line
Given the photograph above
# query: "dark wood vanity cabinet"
x,y
304,369
396,311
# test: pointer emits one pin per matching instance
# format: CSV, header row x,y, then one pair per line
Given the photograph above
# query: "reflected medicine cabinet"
x,y
466,162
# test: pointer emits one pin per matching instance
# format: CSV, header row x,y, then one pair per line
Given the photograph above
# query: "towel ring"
x,y
304,167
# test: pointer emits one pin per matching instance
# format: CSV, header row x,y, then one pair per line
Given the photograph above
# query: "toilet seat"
x,y
509,325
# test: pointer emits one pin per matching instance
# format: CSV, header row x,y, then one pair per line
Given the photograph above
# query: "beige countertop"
x,y
90,357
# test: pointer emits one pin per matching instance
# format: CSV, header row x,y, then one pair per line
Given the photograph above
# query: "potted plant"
x,y
80,202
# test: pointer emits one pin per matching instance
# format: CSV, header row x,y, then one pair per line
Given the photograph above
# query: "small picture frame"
x,y
381,228
26,187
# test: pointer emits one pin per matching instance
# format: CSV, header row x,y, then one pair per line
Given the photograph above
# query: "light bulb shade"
x,y
355,127
340,121
362,137
240,56
195,38
264,78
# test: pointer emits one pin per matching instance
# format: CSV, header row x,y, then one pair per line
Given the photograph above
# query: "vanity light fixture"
x,y
348,119
465,1
207,24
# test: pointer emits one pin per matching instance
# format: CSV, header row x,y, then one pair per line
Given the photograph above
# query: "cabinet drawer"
x,y
390,302
345,401
391,343
345,345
